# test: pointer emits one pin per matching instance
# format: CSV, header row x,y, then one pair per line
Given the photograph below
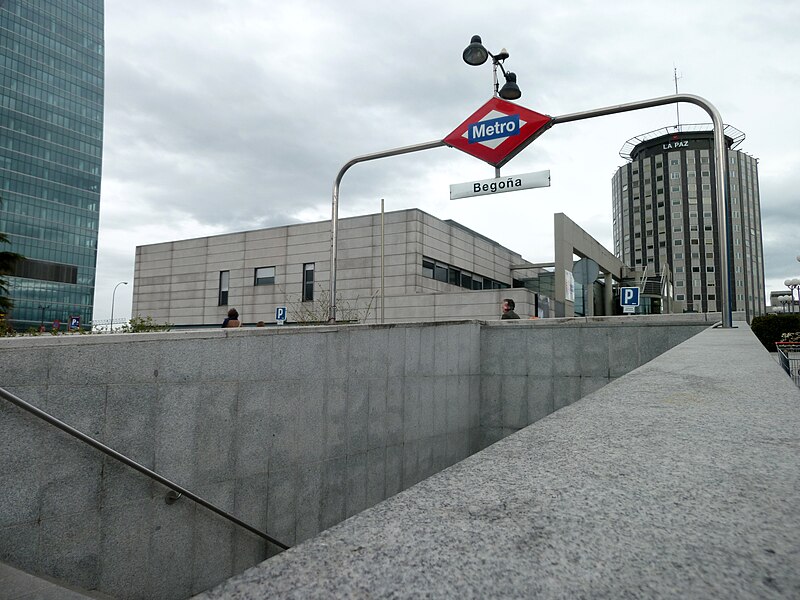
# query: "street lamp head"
x,y
786,282
475,54
510,91
502,55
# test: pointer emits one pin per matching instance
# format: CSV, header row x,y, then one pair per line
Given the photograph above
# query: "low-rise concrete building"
x,y
414,267
432,269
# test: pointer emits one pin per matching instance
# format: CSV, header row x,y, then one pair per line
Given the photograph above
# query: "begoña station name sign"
x,y
496,133
512,183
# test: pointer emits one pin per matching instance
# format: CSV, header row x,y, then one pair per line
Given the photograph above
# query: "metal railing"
x,y
789,357
177,490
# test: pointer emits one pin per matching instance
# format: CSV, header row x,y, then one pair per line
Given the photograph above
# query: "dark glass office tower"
x,y
51,142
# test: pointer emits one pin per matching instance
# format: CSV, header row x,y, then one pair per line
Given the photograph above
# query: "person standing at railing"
x,y
508,309
232,320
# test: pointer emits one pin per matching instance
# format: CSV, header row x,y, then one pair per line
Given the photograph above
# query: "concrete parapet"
x,y
292,429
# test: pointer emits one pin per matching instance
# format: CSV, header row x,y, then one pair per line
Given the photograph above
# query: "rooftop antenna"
x,y
677,105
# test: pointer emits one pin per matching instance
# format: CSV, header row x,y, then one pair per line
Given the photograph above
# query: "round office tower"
x,y
665,217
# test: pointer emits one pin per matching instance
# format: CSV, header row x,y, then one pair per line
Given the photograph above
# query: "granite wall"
x,y
292,430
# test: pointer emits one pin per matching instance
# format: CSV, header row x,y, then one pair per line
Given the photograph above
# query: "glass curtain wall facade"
x,y
51,141
665,217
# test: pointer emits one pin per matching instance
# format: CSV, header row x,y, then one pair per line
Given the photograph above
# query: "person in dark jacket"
x,y
232,319
508,309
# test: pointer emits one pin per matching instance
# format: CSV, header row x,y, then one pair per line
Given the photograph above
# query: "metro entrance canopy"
x,y
485,128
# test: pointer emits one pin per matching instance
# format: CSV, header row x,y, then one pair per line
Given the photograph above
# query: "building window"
x,y
308,282
679,297
427,268
440,272
455,276
224,284
264,276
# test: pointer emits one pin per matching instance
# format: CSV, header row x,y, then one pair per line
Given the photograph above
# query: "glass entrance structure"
x,y
51,142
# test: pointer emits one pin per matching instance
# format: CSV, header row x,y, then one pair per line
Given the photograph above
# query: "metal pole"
x,y
113,297
335,204
720,168
383,294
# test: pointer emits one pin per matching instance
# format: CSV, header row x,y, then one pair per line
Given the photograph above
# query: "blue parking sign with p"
x,y
629,296
280,313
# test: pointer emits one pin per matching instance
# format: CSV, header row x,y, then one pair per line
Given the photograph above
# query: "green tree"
x,y
7,262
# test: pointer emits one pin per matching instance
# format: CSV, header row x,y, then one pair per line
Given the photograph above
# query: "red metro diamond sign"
x,y
498,131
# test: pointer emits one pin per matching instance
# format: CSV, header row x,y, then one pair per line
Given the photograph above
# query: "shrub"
x,y
139,324
769,328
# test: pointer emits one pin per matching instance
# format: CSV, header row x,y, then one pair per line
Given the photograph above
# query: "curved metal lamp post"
x,y
113,297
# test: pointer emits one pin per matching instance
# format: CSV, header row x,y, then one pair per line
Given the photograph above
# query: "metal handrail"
x,y
134,465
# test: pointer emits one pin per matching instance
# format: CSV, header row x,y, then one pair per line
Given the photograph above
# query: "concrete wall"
x,y
291,430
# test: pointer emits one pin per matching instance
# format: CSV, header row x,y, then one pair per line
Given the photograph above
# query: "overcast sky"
x,y
225,115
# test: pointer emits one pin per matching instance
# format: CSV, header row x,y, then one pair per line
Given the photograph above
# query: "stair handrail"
x,y
134,465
